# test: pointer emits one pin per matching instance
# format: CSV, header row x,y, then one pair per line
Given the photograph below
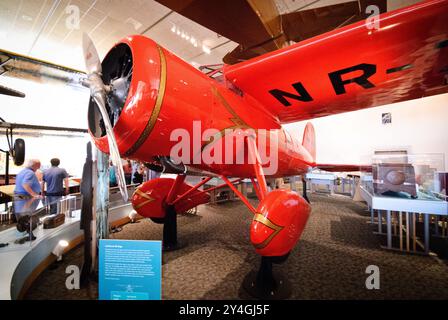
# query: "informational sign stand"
x,y
130,270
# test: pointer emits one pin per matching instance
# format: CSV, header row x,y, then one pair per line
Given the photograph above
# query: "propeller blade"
x,y
11,92
113,147
91,58
98,93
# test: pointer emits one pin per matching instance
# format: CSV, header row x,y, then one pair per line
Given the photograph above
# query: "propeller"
x,y
11,92
98,91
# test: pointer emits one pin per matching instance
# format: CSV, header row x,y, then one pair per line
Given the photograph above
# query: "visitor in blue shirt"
x,y
27,184
27,191
56,178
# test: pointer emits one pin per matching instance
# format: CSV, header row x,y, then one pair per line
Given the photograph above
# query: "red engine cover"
x,y
149,199
277,227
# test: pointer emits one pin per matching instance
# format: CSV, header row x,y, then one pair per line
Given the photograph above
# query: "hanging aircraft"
x,y
258,26
145,102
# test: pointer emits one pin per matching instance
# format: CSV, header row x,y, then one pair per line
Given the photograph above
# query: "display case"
x,y
26,219
414,176
25,222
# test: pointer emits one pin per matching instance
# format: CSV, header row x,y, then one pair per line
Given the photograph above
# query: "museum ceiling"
x,y
48,30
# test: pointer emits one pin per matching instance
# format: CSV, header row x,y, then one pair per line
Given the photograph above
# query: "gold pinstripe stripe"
x,y
268,223
156,111
143,195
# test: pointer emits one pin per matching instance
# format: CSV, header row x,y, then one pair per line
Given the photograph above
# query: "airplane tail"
x,y
309,140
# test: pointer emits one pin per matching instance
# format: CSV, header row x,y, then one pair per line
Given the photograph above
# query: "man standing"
x,y
27,184
127,168
55,177
27,198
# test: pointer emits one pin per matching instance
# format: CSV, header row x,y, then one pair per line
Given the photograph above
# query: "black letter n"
x,y
281,95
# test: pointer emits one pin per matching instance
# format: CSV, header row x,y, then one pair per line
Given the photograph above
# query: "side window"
x,y
288,140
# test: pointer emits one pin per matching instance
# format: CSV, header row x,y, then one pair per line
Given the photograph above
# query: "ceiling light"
x,y
26,18
192,40
206,49
137,25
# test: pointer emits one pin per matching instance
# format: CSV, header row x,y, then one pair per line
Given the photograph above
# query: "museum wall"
x,y
48,105
70,150
419,126
45,104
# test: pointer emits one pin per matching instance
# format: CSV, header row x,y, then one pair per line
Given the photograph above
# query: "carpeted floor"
x,y
329,262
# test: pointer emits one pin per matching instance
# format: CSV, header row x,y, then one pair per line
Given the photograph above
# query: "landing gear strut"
x,y
265,284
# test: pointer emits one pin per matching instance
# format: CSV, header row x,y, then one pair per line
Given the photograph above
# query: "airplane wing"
x,y
344,167
19,66
353,67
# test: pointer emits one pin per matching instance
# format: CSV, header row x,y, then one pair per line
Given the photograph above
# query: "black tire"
x,y
158,220
19,152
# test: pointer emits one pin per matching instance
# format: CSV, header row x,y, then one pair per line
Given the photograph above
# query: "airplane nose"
x,y
117,77
131,72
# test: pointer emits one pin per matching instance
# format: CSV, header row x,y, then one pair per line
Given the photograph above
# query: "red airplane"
x,y
142,93
348,69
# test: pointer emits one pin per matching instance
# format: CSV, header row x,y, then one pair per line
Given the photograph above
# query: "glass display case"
x,y
34,230
24,222
26,219
413,176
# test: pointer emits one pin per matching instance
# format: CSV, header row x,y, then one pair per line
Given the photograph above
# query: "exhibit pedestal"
x,y
266,284
170,242
304,193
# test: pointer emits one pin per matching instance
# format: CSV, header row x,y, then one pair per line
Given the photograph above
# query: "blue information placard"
x,y
130,270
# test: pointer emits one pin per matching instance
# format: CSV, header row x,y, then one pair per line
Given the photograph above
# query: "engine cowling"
x,y
151,89
279,222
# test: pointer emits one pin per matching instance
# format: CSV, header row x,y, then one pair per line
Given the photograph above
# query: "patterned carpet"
x,y
328,263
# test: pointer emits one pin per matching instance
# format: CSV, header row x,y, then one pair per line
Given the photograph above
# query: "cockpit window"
x,y
288,137
214,71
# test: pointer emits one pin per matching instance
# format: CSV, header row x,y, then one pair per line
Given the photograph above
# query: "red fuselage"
x,y
348,69
166,94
